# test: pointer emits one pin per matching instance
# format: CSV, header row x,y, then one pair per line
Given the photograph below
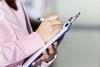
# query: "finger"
x,y
45,54
56,22
55,45
42,58
51,18
33,63
57,27
56,31
51,50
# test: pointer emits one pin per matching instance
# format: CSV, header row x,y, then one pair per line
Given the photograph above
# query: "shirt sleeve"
x,y
15,51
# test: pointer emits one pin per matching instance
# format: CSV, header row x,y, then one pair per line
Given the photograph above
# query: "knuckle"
x,y
58,30
60,22
52,52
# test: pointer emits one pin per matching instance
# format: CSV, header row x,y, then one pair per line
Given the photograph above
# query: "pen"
x,y
40,19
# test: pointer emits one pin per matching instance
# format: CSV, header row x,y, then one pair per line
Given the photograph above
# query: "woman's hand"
x,y
49,28
48,55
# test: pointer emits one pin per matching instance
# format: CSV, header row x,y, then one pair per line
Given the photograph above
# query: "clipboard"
x,y
66,27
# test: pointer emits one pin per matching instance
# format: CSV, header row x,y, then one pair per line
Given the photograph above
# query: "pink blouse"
x,y
16,43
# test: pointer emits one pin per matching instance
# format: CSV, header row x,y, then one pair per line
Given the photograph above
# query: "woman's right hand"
x,y
49,28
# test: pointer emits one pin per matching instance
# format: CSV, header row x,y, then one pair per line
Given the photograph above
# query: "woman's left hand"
x,y
49,54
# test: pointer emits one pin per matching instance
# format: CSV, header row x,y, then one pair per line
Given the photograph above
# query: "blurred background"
x,y
81,46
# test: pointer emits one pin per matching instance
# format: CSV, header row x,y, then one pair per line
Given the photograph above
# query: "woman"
x,y
18,41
